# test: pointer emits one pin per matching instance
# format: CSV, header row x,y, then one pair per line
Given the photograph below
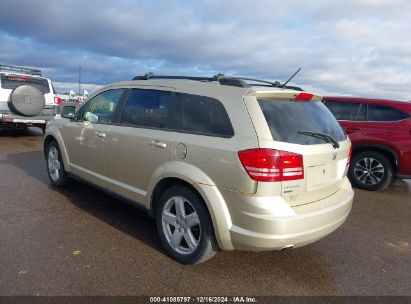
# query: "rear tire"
x,y
55,167
184,226
370,171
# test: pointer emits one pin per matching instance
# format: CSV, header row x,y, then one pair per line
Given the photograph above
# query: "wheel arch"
x,y
386,151
47,140
209,193
162,186
49,137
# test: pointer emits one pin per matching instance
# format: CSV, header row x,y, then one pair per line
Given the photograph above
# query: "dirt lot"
x,y
79,241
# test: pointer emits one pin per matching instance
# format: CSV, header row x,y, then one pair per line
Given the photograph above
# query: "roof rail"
x,y
17,69
223,80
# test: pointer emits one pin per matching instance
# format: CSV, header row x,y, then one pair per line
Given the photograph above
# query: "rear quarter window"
x,y
201,115
385,113
286,118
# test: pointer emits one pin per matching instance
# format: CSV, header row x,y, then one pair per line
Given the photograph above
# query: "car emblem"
x,y
334,156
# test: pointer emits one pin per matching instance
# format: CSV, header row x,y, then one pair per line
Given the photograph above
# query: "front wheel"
x,y
184,226
55,166
370,171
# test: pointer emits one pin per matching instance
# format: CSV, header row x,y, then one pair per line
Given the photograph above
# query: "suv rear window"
x,y
286,118
12,81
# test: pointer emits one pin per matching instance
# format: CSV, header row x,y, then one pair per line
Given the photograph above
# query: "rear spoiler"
x,y
289,95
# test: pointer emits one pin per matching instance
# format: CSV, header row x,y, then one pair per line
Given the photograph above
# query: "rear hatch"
x,y
308,129
10,81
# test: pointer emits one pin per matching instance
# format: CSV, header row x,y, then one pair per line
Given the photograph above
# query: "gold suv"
x,y
219,163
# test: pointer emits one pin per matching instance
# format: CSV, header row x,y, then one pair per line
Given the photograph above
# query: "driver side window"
x,y
102,108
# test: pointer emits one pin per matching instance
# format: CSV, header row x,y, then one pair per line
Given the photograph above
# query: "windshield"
x,y
13,81
287,119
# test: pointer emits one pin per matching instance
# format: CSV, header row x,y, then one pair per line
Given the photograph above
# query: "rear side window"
x,y
384,113
286,118
201,115
53,88
12,81
147,108
347,110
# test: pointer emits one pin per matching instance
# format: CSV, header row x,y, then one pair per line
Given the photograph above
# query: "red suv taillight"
x,y
57,100
268,165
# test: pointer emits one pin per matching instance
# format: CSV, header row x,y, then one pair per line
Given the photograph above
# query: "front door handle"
x,y
100,134
156,143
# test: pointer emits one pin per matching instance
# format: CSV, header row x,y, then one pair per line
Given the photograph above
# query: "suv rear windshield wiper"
x,y
325,137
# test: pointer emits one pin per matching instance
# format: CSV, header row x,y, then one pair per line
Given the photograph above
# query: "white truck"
x,y
26,98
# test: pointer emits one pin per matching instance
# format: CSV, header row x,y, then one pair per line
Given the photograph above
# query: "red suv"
x,y
380,131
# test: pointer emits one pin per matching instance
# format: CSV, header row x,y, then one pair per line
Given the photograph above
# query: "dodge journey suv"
x,y
219,163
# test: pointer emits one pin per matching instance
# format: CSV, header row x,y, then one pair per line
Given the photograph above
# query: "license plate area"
x,y
320,176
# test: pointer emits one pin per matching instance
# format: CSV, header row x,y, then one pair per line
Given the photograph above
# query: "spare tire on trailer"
x,y
26,100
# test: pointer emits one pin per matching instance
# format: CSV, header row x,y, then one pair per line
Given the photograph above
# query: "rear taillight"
x,y
57,100
349,156
303,97
268,165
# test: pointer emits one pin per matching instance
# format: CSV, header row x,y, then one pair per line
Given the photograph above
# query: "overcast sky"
x,y
360,48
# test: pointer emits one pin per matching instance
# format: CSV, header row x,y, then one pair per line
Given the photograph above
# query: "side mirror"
x,y
90,117
68,112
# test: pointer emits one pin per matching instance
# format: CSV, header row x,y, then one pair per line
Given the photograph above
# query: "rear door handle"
x,y
156,143
353,128
100,134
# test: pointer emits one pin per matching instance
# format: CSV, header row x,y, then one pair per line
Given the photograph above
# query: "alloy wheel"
x,y
54,163
369,171
181,225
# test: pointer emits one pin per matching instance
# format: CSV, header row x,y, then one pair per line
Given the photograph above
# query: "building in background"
x,y
73,96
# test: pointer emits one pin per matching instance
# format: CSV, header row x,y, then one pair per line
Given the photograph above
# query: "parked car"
x,y
26,98
380,131
219,163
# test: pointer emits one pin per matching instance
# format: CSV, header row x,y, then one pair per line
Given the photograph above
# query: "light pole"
x,y
79,81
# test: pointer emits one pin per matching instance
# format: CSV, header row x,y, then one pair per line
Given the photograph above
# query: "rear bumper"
x,y
8,119
309,223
